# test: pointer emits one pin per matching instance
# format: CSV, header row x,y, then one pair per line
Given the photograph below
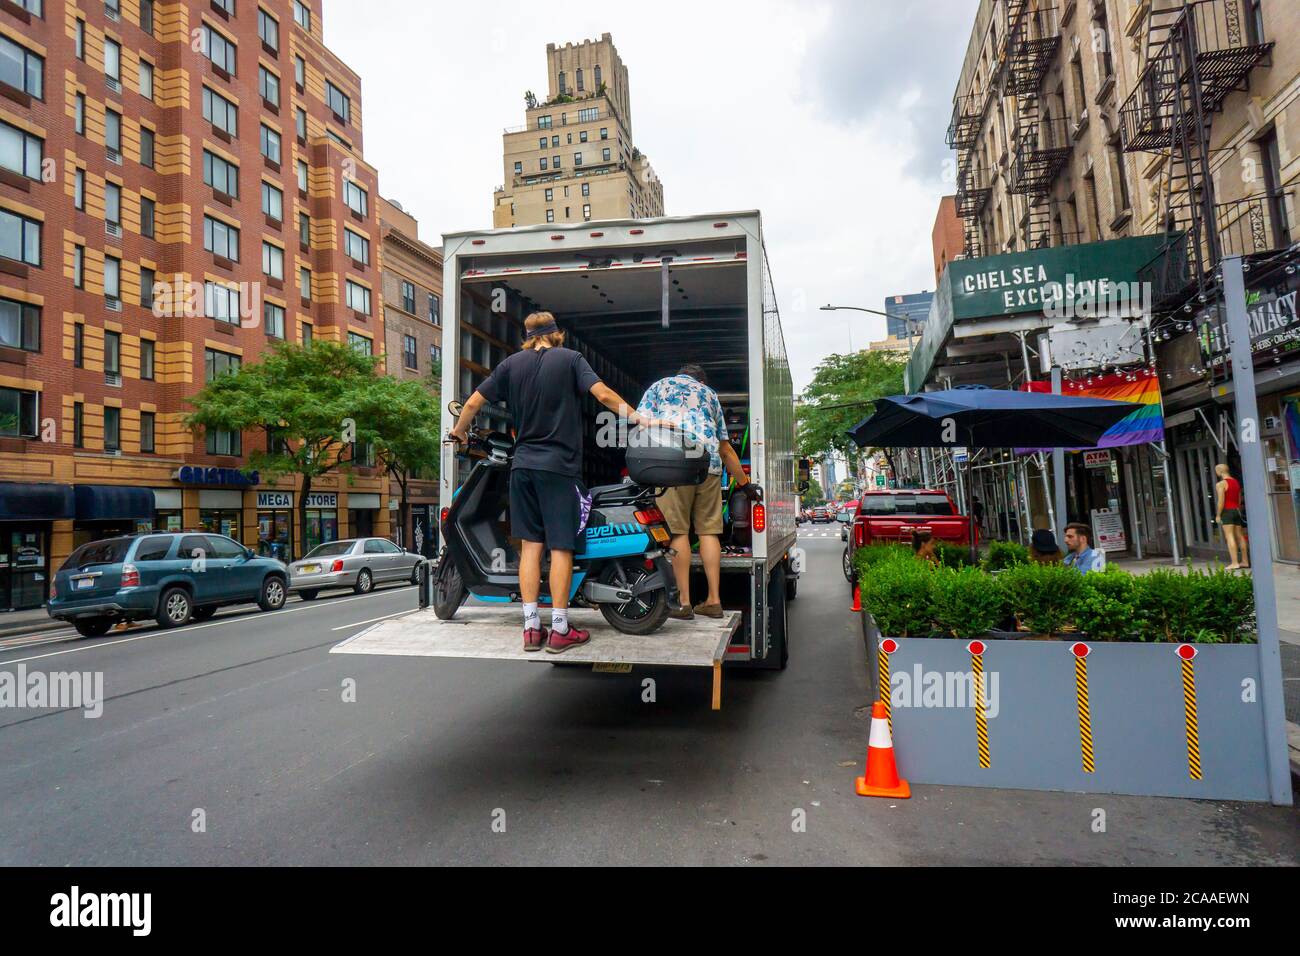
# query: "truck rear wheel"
x,y
644,614
778,620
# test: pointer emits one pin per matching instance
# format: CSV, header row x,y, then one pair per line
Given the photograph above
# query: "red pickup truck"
x,y
890,517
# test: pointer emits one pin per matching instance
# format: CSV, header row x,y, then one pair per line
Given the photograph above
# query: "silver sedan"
x,y
356,563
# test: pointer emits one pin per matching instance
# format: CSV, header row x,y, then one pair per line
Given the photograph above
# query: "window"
x,y
78,424
147,446
588,115
300,123
21,68
408,296
112,428
338,101
598,81
579,79
358,247
220,112
20,238
146,79
604,132
222,442
79,43
146,147
555,141
582,136
358,297
113,132
586,189
543,122
563,88
270,144
410,359
20,325
146,16
302,14
1080,89
543,163
147,277
273,202
113,63
217,49
1101,38
113,353
268,28
1090,187
78,268
550,194
360,343
112,287
20,151
519,168
220,238
300,71
586,211
541,142
218,363
304,282
221,303
604,154
273,319
225,6
435,355
555,161
1119,176
550,215
435,309
356,198
79,116
304,230
147,347
307,331
146,217
272,261
78,345
17,413
221,175
268,84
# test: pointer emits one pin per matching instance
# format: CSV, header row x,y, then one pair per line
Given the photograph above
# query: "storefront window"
x,y
275,534
220,521
167,520
322,526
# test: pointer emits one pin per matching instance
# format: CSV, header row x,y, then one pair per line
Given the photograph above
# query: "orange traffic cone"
x,y
857,599
882,776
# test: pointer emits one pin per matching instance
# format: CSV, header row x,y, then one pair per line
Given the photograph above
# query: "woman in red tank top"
x,y
1228,493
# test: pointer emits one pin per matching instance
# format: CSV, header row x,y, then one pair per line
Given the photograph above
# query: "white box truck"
x,y
640,298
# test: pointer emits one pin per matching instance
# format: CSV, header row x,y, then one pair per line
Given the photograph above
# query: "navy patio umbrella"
x,y
978,417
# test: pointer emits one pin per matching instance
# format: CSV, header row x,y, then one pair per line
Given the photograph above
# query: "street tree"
x,y
315,404
406,414
840,396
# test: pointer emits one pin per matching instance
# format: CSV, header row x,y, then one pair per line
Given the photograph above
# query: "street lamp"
x,y
907,319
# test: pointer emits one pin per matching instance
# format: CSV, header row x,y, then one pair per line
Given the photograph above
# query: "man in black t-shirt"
x,y
543,385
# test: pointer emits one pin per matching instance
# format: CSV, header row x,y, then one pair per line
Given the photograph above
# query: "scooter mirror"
x,y
455,408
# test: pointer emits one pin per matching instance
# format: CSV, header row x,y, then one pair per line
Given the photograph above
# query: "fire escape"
x,y
1040,143
972,177
1196,53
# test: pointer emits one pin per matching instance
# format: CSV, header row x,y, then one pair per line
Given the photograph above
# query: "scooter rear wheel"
x,y
644,614
448,590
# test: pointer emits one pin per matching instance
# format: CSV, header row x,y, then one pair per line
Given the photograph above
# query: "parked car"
x,y
356,563
172,578
889,516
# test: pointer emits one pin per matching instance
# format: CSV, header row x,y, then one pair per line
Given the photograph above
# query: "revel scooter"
x,y
621,561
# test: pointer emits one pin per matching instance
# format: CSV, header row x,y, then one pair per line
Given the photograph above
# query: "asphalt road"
x,y
241,723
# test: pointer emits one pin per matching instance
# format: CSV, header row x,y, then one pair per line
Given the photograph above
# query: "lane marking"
x,y
189,628
344,627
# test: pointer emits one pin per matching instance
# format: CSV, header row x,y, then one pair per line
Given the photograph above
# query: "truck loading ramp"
x,y
491,633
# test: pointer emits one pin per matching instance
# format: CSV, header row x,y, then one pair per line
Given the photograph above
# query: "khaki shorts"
x,y
697,507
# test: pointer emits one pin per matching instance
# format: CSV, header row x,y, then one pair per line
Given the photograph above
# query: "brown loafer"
x,y
709,610
682,614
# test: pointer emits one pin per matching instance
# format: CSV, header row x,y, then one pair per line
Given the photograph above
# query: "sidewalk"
x,y
28,622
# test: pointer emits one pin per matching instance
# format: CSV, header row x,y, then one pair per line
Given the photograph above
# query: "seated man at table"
x,y
1082,556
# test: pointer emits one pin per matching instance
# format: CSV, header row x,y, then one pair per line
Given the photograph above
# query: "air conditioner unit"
x,y
113,378
114,156
112,12
112,84
113,304
113,228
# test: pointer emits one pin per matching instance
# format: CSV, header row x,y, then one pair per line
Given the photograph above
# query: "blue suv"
x,y
172,578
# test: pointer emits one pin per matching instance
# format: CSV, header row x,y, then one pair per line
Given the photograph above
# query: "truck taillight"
x,y
130,576
859,535
445,512
337,566
650,516
758,517
54,589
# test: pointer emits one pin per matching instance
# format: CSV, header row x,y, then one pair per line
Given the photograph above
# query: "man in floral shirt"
x,y
686,401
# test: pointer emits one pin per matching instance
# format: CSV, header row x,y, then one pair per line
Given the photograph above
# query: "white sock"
x,y
532,620
560,620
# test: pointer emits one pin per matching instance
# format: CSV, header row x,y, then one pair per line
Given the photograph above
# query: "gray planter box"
x,y
1136,712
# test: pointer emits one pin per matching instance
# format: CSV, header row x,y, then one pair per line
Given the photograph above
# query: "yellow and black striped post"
x,y
887,647
1080,651
1186,654
976,649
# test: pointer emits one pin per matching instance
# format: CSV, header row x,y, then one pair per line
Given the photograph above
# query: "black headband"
x,y
546,329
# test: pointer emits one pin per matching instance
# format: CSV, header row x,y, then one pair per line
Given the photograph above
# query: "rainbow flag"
x,y
1145,425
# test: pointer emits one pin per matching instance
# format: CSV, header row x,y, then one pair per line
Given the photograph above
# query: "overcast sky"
x,y
827,116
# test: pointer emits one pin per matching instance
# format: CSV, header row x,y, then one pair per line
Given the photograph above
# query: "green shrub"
x,y
1104,607
967,602
1223,607
1042,596
1005,554
952,555
872,554
1163,601
897,593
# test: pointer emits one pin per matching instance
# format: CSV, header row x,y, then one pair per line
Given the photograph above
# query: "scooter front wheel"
x,y
448,590
645,613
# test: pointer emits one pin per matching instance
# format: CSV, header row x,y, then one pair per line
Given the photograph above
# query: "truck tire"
x,y
791,585
448,590
638,616
778,621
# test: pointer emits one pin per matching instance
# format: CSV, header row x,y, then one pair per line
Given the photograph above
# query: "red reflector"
x,y
636,232
478,242
719,225
445,512
649,565
557,236
758,515
596,235
337,566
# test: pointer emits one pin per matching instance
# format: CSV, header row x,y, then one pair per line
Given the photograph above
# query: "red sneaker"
x,y
534,638
559,643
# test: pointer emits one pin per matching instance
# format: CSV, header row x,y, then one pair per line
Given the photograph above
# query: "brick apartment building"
x,y
412,291
181,185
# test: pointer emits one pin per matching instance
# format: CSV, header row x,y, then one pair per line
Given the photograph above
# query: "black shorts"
x,y
1232,516
548,507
